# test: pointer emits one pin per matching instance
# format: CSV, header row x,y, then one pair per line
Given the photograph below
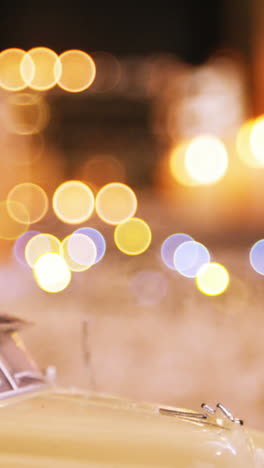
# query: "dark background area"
x,y
190,29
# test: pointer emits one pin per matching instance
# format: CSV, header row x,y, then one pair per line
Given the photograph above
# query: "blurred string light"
x,y
26,113
115,203
206,159
257,139
11,228
51,273
40,245
256,257
32,197
133,82
194,100
160,71
20,245
149,287
79,251
101,169
97,238
108,72
133,237
77,71
11,78
243,145
41,68
169,247
177,164
189,257
212,279
73,202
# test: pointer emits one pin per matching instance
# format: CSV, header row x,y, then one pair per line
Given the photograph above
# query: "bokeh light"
x,y
256,257
73,202
77,71
133,237
212,279
243,145
196,99
11,78
26,114
169,246
40,245
177,164
97,238
46,66
149,287
257,139
206,159
115,203
101,169
33,197
79,251
10,228
20,245
108,72
189,257
51,273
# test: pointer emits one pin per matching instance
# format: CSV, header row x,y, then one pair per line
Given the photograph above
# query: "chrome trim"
x,y
182,413
224,410
198,417
33,375
8,376
22,390
15,363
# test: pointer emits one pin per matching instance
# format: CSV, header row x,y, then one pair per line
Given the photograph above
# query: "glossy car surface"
x,y
55,428
43,426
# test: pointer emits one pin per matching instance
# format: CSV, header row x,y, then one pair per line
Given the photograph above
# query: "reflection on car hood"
x,y
76,429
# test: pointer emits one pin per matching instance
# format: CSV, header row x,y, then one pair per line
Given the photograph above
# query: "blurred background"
x,y
131,208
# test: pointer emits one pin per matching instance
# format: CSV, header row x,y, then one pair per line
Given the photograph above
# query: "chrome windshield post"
x,y
18,372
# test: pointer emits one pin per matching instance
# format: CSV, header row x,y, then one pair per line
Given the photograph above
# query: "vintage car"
x,y
43,426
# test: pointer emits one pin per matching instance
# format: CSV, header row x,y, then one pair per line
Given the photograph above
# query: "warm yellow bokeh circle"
x,y
11,78
206,159
212,279
133,237
41,68
51,273
257,140
34,199
73,202
243,145
77,71
115,203
40,245
177,165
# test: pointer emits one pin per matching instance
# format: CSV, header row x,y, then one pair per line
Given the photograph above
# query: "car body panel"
x,y
43,426
73,429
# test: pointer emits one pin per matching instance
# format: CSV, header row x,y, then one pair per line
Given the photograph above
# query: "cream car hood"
x,y
57,428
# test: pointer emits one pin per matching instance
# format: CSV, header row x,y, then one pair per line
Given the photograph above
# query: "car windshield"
x,y
17,365
5,386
